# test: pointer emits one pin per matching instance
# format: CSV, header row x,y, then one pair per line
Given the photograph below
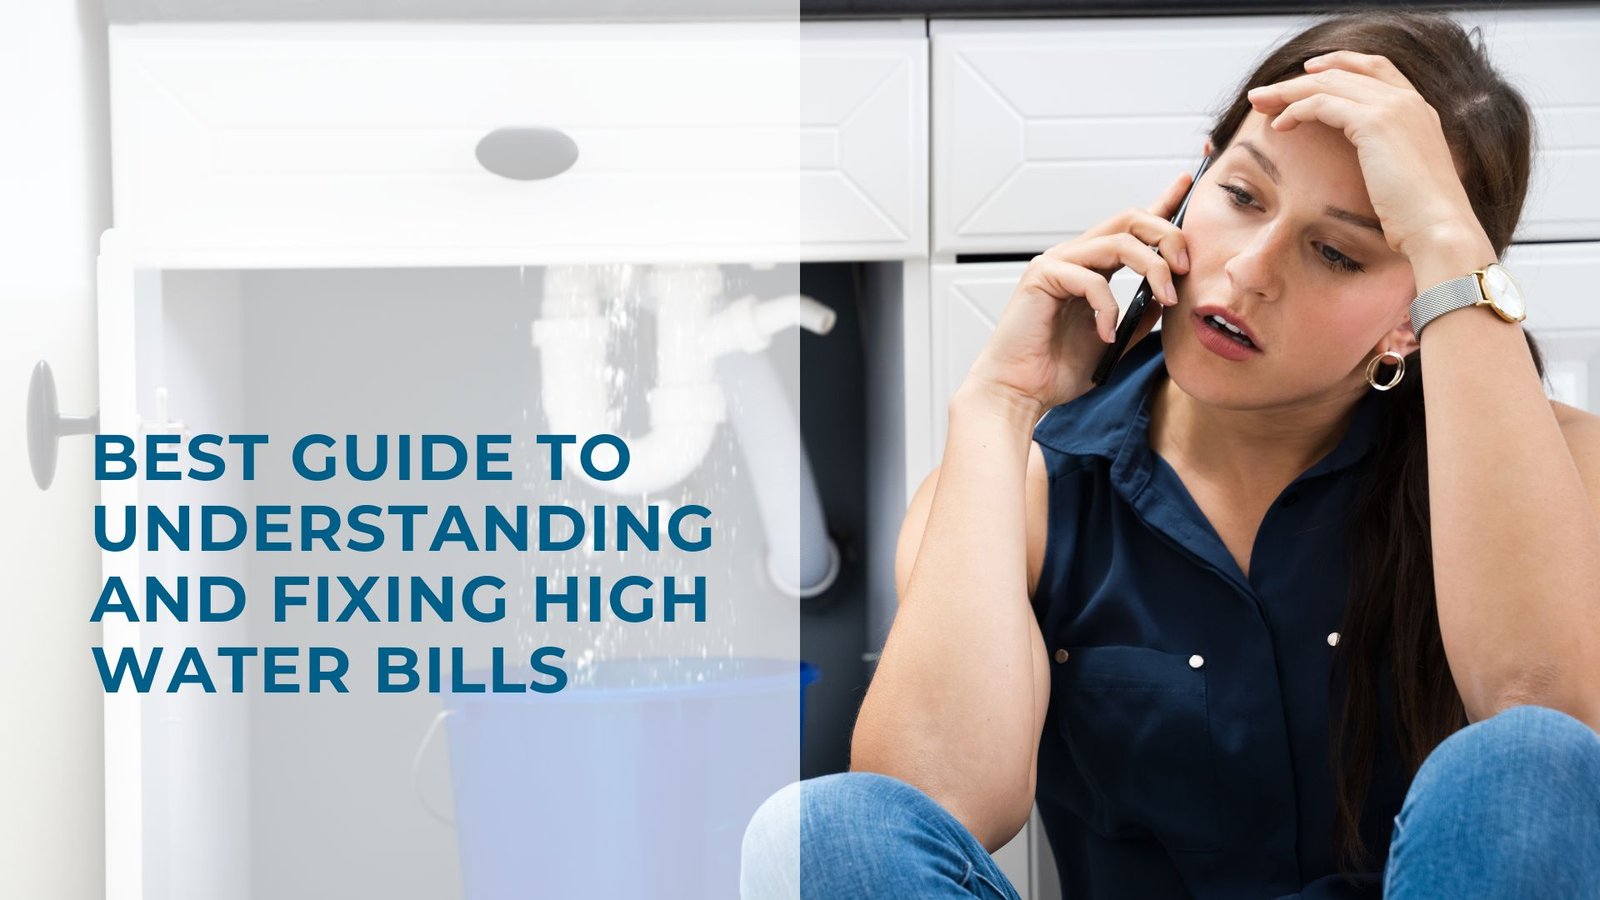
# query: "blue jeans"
x,y
1508,807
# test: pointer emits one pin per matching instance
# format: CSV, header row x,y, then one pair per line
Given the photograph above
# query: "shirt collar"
x,y
1099,423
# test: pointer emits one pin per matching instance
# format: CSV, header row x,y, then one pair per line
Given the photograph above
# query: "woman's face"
x,y
1317,291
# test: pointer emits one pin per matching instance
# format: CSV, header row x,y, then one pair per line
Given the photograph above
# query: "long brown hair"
x,y
1391,619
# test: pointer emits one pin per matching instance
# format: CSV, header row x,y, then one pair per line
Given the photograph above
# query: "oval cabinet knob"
x,y
46,425
527,154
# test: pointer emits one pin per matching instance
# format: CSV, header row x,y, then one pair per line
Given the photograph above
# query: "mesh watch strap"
x,y
1457,293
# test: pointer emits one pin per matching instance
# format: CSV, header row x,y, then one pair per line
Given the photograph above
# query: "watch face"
x,y
1503,293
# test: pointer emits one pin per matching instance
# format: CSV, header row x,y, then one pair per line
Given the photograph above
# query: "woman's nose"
x,y
1258,266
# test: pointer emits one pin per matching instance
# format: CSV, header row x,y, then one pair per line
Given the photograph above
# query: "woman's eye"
x,y
1339,261
1331,257
1238,196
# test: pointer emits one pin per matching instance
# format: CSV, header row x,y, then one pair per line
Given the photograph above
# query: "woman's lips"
x,y
1219,343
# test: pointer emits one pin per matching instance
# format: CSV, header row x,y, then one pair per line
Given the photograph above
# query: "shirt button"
x,y
1291,498
1061,655
1196,661
1333,639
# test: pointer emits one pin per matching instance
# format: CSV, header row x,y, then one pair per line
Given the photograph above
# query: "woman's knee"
x,y
1506,807
832,807
1525,767
1527,744
860,831
769,858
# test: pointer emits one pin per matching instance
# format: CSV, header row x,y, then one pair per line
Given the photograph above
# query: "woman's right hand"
x,y
1062,315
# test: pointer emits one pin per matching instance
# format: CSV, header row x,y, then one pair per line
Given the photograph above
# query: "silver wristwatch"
x,y
1490,286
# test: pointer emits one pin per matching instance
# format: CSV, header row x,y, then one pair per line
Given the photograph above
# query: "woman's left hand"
x,y
1411,177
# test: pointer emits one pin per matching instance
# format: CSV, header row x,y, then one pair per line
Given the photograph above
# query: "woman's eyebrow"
x,y
1335,212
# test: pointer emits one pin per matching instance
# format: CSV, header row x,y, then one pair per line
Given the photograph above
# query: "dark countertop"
x,y
122,11
846,9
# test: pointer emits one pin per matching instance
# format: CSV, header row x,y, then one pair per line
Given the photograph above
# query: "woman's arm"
x,y
1516,543
1516,540
957,704
958,699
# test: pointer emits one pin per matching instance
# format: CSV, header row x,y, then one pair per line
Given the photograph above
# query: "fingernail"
x,y
1183,258
1172,294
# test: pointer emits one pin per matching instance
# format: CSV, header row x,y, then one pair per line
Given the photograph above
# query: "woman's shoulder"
x,y
1575,421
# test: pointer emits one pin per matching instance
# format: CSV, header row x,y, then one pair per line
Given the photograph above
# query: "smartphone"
x,y
1141,297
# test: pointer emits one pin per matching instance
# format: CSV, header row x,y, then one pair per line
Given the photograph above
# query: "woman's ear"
x,y
1400,339
1208,147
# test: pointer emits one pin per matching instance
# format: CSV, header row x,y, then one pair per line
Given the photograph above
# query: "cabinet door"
x,y
178,805
1043,128
1559,281
1549,55
864,140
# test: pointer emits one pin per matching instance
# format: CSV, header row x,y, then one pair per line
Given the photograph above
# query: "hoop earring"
x,y
1372,370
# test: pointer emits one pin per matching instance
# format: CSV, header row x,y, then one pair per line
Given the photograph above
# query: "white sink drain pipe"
x,y
699,347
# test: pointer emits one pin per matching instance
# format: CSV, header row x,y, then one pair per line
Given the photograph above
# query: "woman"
x,y
1292,633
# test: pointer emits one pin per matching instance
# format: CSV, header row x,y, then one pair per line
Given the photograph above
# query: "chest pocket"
x,y
1137,735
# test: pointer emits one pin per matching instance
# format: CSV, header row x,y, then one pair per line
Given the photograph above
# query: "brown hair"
x,y
1391,619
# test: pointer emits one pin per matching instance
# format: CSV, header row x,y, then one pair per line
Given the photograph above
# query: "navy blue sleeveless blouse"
x,y
1186,750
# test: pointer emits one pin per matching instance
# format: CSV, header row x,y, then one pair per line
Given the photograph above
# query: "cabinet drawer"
x,y
1043,128
712,140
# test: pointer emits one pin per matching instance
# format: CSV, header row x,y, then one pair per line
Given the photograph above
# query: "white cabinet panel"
x,y
864,165
1043,128
967,301
707,140
1549,54
1560,282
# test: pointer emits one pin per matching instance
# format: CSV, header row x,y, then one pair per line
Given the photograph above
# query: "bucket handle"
x,y
416,768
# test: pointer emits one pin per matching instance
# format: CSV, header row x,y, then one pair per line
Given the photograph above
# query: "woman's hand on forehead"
x,y
1405,160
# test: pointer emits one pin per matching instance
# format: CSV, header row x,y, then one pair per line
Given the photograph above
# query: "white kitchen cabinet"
x,y
300,198
265,796
1042,128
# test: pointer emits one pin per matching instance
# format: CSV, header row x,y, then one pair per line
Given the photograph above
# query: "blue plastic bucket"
x,y
808,675
637,779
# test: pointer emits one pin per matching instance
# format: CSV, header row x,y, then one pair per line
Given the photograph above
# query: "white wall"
x,y
54,202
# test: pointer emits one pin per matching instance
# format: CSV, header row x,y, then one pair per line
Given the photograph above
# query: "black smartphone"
x,y
1141,297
